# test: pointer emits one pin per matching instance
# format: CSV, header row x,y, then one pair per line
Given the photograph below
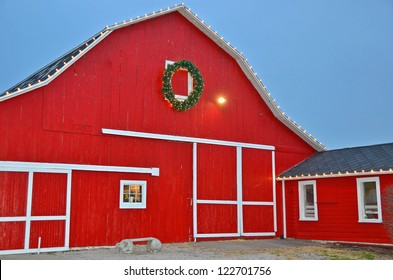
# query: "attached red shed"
x,y
341,195
92,153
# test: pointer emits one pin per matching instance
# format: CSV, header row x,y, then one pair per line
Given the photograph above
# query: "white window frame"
x,y
360,193
133,205
190,83
302,210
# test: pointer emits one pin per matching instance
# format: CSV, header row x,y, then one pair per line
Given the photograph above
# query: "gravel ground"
x,y
273,249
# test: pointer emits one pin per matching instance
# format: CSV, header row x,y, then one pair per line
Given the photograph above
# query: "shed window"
x,y
369,200
181,80
132,194
308,210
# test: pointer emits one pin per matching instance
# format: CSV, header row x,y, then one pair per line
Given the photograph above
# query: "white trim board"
x,y
186,139
20,166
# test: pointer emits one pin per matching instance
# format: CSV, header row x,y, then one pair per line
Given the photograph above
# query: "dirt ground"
x,y
274,249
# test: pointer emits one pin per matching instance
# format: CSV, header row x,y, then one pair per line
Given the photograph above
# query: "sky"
x,y
328,63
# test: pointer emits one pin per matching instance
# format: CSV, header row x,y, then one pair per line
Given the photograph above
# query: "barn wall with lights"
x,y
338,217
221,155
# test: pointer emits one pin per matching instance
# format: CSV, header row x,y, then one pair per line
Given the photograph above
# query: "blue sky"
x,y
328,63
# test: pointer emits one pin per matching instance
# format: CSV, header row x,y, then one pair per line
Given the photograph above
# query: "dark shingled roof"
x,y
53,67
375,157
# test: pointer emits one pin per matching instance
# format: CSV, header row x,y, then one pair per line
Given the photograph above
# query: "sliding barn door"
x,y
233,191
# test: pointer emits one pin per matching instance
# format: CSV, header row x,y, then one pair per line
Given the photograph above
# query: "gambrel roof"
x,y
375,159
49,72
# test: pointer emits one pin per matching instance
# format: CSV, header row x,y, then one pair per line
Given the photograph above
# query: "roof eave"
x,y
335,175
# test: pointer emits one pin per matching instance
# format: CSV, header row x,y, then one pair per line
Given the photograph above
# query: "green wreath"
x,y
167,89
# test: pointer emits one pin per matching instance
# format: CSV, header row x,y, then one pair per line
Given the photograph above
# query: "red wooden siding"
x,y
257,175
13,199
216,172
51,234
217,218
13,194
338,213
49,194
258,218
12,235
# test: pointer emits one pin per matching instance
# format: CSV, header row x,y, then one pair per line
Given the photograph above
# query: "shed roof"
x,y
347,161
49,72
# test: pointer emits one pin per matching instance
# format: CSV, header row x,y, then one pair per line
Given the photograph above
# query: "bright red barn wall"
x,y
338,212
117,85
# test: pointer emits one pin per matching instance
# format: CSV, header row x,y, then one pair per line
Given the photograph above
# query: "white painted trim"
x,y
235,202
28,209
360,197
33,218
326,176
208,235
301,193
31,251
184,139
258,203
224,202
13,219
274,190
239,184
135,205
18,166
259,234
68,210
194,189
284,209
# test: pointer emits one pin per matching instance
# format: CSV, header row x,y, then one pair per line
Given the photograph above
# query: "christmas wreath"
x,y
167,89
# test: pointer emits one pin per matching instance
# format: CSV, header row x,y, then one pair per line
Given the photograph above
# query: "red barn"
x,y
341,195
92,152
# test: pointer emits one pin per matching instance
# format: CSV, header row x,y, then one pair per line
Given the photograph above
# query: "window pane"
x,y
370,200
309,201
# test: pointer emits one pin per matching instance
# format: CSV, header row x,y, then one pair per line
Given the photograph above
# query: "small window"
x,y
190,83
369,200
308,201
132,194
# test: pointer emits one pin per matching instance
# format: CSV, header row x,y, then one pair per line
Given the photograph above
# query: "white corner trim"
x,y
284,210
184,139
274,190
